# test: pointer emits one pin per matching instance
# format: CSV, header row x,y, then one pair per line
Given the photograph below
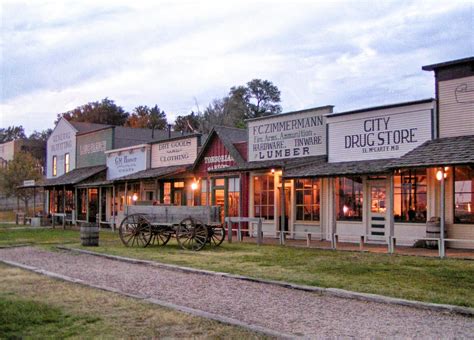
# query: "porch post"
x,y
442,250
64,206
113,207
391,219
126,198
332,183
282,210
100,205
76,200
87,205
54,208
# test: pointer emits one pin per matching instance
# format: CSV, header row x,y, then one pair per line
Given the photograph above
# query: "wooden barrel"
x,y
89,235
433,230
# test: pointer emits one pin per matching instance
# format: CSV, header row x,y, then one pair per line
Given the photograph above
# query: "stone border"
x,y
184,309
341,293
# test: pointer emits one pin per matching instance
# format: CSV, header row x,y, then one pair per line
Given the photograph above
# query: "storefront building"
x,y
219,179
276,144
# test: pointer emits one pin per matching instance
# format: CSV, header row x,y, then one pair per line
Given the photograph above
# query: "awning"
x,y
74,176
273,164
439,152
154,173
356,168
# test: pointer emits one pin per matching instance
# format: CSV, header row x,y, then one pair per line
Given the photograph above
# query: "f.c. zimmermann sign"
x,y
288,136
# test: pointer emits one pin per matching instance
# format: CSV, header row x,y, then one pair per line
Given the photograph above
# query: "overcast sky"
x,y
56,55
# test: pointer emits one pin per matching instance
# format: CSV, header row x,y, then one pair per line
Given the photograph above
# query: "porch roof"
x,y
339,169
94,184
74,176
276,164
439,152
154,173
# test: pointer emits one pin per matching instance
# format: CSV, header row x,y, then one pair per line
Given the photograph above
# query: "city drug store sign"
x,y
378,135
294,135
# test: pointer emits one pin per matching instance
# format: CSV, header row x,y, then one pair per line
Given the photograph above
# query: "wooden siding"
x,y
215,149
456,107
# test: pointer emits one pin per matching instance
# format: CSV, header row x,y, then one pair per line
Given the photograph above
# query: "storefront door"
x,y
377,210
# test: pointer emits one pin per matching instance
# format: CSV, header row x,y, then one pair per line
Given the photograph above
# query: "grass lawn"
x,y
448,281
34,306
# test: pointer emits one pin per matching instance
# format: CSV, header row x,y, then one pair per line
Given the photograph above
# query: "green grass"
x,y
21,318
448,281
34,306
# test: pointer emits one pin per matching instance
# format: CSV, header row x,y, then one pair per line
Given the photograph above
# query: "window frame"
x,y
268,190
54,166
66,163
454,195
412,173
313,182
354,196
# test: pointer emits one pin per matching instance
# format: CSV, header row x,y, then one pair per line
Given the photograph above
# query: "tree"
x,y
41,135
104,112
23,167
262,98
147,118
190,123
11,133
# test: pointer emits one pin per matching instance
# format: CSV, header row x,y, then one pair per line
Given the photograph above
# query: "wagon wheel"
x,y
135,230
216,235
191,234
160,236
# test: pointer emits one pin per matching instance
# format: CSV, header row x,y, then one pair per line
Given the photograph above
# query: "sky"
x,y
180,55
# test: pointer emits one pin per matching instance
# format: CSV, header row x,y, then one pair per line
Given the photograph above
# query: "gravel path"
x,y
281,309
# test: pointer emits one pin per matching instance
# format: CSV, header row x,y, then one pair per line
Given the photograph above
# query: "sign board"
x,y
378,134
126,162
29,183
300,134
174,152
218,162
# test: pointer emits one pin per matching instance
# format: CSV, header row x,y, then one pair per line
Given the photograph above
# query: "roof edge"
x,y
436,66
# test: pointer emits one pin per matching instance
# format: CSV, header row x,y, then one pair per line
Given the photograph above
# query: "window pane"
x,y
410,197
349,198
464,195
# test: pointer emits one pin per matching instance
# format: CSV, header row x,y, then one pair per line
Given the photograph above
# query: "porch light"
x,y
194,186
272,171
441,173
345,209
135,197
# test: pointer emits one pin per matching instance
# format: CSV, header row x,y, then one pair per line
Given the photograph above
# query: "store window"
x,y
204,192
66,163
464,194
349,198
55,165
410,196
233,194
167,193
307,199
264,196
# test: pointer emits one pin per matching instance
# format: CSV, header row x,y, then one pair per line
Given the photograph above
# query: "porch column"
x,y
332,183
87,204
54,208
113,207
126,200
64,206
442,250
391,219
282,210
75,211
100,205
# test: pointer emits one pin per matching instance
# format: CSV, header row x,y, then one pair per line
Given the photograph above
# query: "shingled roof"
x,y
439,152
154,173
275,164
84,127
229,136
325,169
75,176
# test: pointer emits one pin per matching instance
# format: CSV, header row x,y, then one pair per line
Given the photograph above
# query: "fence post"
x,y
308,240
229,231
361,244
259,232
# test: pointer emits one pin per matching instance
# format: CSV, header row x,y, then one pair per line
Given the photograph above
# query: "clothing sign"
x,y
174,152
378,135
295,135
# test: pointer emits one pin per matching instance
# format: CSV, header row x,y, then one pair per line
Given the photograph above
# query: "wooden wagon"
x,y
193,227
